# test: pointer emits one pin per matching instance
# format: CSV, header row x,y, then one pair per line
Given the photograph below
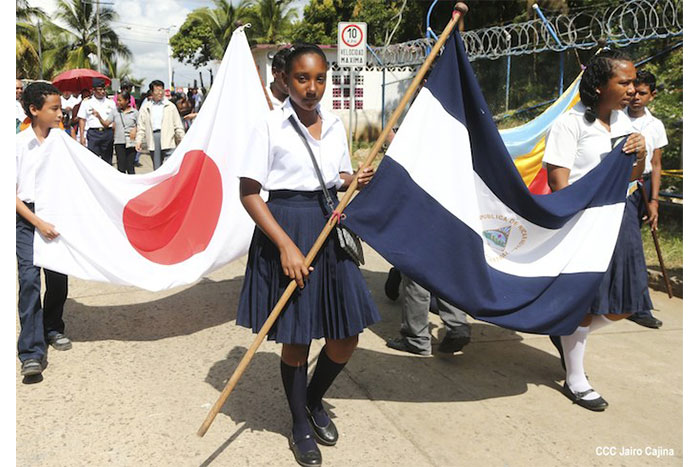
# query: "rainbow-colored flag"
x,y
525,143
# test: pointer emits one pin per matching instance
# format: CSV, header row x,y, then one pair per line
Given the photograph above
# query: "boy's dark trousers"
x,y
101,141
636,198
36,324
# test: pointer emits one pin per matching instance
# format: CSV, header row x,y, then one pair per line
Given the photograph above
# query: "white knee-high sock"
x,y
574,346
599,321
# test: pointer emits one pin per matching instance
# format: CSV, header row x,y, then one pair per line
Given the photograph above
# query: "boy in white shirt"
x,y
38,327
655,135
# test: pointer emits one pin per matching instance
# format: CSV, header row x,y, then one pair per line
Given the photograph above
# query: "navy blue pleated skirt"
x,y
334,304
625,287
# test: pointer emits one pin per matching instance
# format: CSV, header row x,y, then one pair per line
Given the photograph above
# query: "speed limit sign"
x,y
352,44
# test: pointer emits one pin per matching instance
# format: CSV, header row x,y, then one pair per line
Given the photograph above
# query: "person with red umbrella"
x,y
96,115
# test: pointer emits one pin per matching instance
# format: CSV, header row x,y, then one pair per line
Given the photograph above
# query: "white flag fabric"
x,y
165,228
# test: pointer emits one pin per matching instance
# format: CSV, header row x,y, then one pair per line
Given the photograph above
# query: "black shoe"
x,y
393,281
31,367
326,435
452,344
556,340
59,341
138,164
308,458
402,344
596,405
646,321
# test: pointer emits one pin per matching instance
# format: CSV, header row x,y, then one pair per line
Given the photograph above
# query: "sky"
x,y
139,26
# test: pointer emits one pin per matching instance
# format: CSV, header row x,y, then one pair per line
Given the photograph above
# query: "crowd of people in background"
x,y
121,125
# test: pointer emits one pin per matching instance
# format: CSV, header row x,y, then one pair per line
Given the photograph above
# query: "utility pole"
x,y
171,72
99,39
41,63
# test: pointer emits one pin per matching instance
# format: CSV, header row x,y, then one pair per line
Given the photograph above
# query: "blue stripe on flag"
x,y
415,233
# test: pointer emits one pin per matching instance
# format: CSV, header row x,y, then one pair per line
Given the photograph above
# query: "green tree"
x,y
271,20
206,32
27,38
76,45
122,71
320,23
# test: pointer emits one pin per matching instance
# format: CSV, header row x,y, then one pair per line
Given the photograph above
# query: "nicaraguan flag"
x,y
449,209
165,228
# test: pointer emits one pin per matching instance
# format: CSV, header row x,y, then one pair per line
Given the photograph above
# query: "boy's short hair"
x,y
154,83
646,77
280,58
35,94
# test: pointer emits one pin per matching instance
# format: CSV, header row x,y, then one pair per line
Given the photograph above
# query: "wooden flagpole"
x,y
656,242
460,9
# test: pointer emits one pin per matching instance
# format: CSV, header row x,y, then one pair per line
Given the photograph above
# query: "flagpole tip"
x,y
461,8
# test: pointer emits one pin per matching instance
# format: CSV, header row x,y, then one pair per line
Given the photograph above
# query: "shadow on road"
x,y
204,305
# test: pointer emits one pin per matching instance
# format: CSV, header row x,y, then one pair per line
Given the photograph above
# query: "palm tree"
x,y
27,39
122,71
272,20
77,44
222,21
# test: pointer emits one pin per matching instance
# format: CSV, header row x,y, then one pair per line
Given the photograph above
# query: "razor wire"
x,y
620,25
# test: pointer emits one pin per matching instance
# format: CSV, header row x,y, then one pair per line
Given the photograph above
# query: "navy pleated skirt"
x,y
334,304
625,287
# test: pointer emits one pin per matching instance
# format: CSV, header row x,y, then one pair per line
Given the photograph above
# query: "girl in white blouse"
x,y
333,301
577,142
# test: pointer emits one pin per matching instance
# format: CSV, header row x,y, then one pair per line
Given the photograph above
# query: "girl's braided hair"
x,y
596,74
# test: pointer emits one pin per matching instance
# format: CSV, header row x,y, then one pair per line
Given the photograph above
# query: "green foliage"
x,y
670,236
668,107
271,20
394,20
27,38
206,32
320,23
194,43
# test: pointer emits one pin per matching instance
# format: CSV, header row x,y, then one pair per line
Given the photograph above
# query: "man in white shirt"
x,y
96,116
159,128
655,135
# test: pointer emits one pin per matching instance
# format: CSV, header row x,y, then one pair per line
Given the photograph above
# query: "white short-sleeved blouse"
x,y
278,159
578,145
654,134
27,161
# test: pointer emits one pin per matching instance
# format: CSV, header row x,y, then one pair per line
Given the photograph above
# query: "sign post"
x,y
352,52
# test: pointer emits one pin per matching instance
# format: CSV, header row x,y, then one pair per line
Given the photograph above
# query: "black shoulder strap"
x,y
326,195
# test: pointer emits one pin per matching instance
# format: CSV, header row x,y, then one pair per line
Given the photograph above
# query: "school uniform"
x,y
335,303
655,138
276,103
579,145
124,145
37,325
100,139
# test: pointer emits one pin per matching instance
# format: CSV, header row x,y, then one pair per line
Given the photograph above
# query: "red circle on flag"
x,y
176,219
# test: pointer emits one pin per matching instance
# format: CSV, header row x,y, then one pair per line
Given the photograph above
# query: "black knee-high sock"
x,y
324,375
294,381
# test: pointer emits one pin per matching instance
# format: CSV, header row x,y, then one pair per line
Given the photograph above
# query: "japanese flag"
x,y
165,228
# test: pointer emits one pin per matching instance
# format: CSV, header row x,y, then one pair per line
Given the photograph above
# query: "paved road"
x,y
145,368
